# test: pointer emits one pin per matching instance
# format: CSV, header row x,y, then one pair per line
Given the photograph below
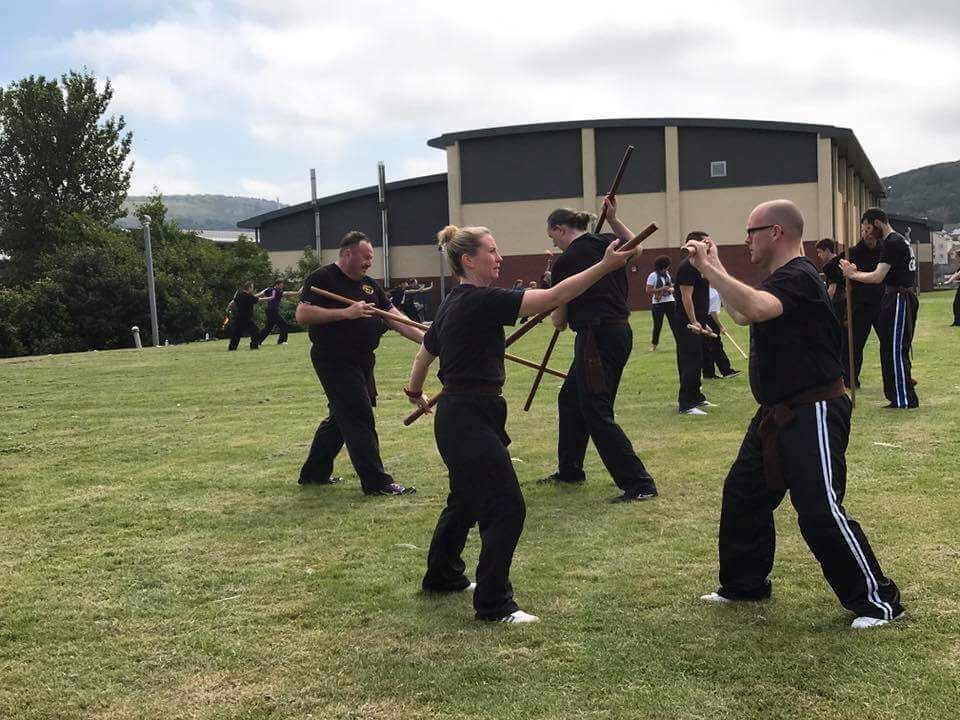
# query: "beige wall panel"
x,y
925,255
853,214
671,159
519,227
637,210
589,165
453,183
414,261
406,261
825,202
723,213
283,259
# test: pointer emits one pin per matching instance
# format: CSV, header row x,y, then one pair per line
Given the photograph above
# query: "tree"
x,y
59,156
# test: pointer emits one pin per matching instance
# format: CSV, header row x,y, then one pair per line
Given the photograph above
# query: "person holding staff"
x,y
865,297
604,340
273,295
898,307
797,439
467,335
343,340
242,305
714,356
692,313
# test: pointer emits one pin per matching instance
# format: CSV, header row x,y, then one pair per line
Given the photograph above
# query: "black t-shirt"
x,y
688,275
800,349
244,303
606,299
345,337
898,254
834,276
467,333
866,259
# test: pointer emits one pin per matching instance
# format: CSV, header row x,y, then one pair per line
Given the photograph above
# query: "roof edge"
x,y
258,220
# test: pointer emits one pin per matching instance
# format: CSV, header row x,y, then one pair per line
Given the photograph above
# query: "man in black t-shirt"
x,y
242,322
798,438
604,340
865,297
956,298
691,323
836,291
343,342
898,308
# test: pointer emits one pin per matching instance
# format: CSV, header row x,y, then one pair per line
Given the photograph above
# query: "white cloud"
x,y
327,83
171,174
420,165
289,193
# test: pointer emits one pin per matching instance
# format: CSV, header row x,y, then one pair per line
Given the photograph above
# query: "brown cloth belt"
x,y
774,418
455,388
596,377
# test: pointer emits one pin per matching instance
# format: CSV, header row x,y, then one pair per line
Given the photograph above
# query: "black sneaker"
x,y
731,374
332,480
636,495
394,489
556,477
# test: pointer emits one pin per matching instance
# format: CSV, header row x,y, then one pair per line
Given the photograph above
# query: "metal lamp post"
x,y
151,288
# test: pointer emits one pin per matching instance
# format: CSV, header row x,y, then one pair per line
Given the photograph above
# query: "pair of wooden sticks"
x,y
527,327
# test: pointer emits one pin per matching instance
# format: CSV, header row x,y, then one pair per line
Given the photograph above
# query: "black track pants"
x,y
585,407
350,421
484,490
898,314
812,456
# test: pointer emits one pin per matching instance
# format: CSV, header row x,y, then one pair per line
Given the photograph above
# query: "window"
x,y
718,168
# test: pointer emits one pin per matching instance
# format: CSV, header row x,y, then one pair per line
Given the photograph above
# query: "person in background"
x,y
660,290
273,295
714,356
242,305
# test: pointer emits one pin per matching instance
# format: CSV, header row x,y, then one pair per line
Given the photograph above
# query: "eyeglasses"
x,y
751,231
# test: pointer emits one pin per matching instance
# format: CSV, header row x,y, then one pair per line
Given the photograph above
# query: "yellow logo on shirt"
x,y
367,289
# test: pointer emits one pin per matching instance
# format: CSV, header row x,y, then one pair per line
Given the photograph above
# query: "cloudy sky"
x,y
242,97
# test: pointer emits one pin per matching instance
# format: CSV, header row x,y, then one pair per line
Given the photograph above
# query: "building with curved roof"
x,y
685,174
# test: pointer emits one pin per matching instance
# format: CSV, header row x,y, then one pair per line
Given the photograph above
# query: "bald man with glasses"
x,y
797,440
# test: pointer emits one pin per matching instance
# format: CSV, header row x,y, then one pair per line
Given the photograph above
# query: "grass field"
x,y
159,560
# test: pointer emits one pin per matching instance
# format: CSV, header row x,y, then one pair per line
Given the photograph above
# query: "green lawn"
x,y
159,560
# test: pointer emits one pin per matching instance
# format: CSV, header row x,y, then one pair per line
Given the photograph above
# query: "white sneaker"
x,y
693,411
716,598
519,616
864,622
706,403
470,588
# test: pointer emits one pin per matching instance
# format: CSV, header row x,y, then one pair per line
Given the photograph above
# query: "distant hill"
x,y
932,191
204,212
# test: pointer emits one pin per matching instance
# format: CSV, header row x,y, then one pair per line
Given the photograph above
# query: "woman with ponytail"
x,y
601,319
467,335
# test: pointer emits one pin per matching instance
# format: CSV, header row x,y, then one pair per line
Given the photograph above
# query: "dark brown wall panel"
x,y
530,166
753,157
646,171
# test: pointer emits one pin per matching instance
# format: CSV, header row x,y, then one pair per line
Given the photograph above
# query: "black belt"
x,y
601,323
455,388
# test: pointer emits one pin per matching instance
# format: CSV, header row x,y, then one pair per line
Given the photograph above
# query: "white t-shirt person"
x,y
714,301
654,280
